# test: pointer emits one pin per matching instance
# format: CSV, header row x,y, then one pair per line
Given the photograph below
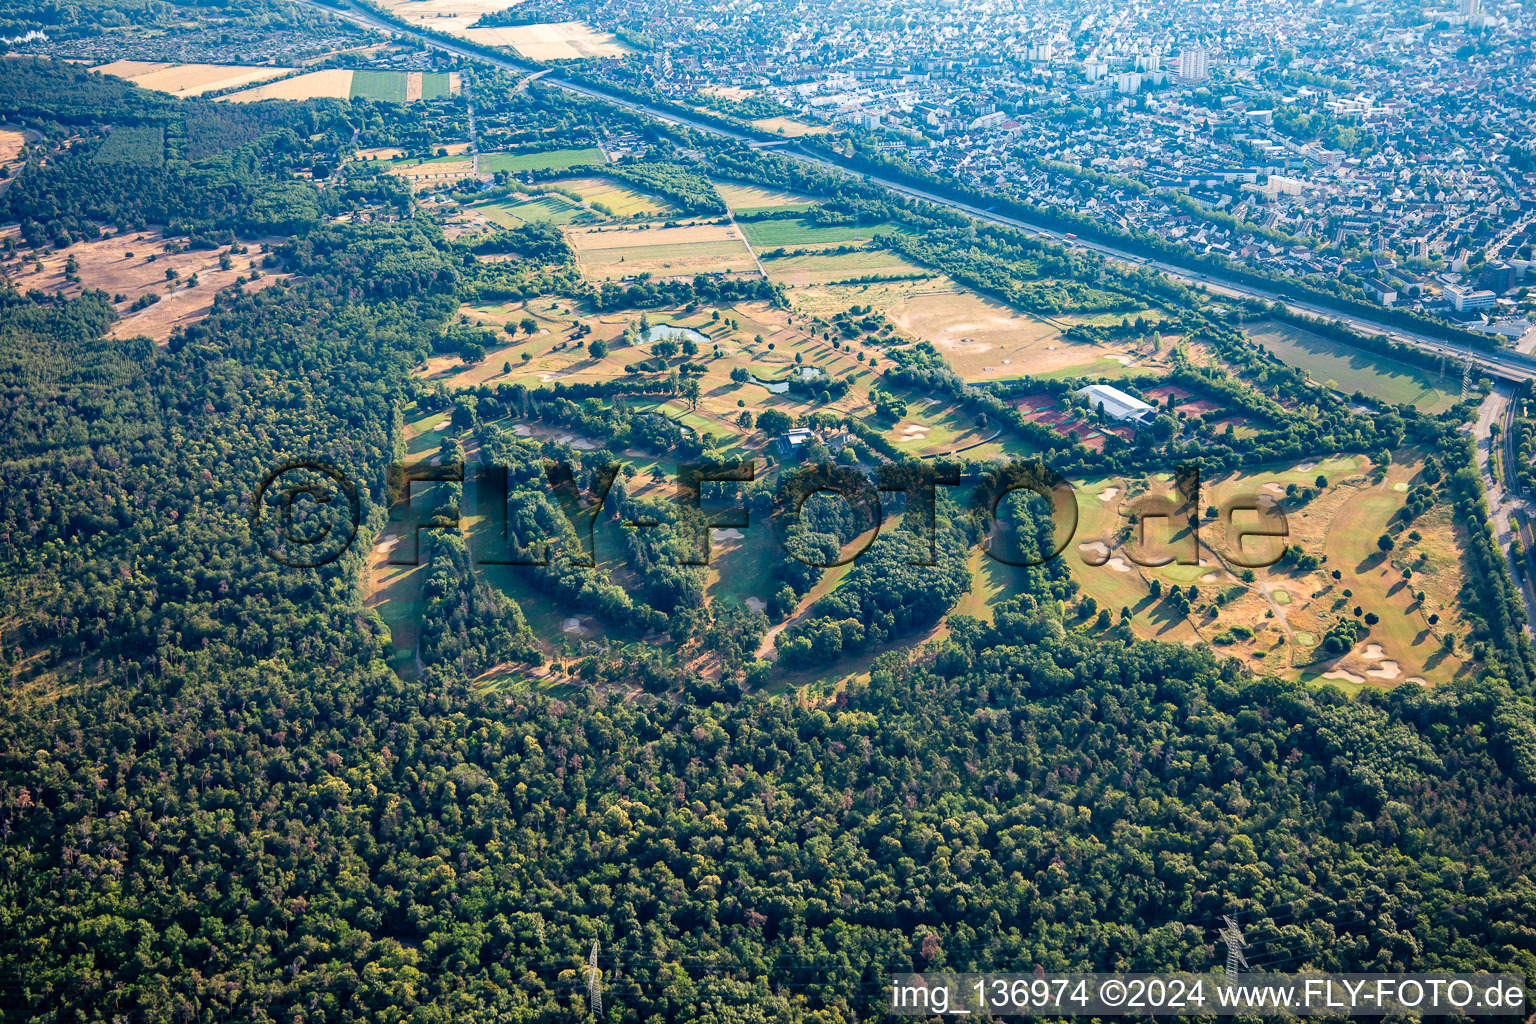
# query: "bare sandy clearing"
x,y
104,263
976,333
11,141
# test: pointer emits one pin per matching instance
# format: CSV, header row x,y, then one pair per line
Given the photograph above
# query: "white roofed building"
x,y
1118,405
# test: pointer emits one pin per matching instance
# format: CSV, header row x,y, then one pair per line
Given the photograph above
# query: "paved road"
x,y
1509,366
1498,408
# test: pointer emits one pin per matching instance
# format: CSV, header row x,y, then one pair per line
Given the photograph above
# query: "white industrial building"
x,y
1118,405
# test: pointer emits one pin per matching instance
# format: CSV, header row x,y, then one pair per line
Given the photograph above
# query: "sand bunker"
x,y
1094,552
1373,652
1344,675
1118,564
914,430
757,604
1304,467
1386,670
522,430
573,626
1108,493
1210,577
1417,679
731,533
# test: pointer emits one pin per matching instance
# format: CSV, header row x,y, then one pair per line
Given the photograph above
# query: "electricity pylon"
x,y
1232,935
594,984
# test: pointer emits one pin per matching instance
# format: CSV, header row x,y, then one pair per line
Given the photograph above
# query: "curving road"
x,y
1509,366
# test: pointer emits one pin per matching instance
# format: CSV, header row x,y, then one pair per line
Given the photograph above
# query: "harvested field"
x,y
188,79
620,200
770,234
436,171
565,40
334,83
666,252
450,16
833,267
741,198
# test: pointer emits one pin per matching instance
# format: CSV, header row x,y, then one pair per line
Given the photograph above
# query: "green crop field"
x,y
434,85
379,85
552,209
769,234
1352,369
550,160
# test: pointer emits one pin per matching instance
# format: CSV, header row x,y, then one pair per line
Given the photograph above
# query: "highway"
x,y
1506,365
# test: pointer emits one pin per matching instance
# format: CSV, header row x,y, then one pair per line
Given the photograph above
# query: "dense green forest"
x,y
220,802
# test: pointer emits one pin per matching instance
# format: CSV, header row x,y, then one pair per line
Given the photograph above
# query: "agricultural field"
x,y
438,85
1274,619
1351,369
390,86
434,172
106,263
188,79
453,17
742,198
832,267
771,234
346,84
548,160
565,40
681,251
622,201
332,83
555,209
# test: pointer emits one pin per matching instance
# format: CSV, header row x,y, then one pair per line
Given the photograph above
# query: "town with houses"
x,y
1386,147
